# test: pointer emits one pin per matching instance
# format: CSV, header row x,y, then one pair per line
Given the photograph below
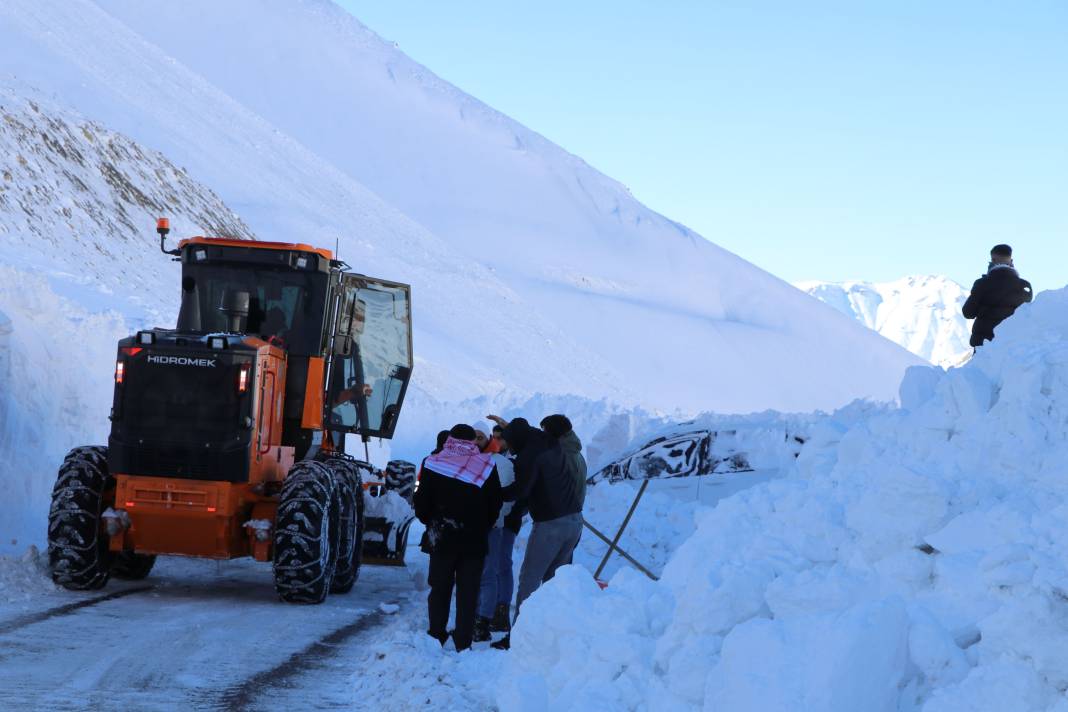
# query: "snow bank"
x,y
661,524
401,668
24,577
49,400
389,505
915,559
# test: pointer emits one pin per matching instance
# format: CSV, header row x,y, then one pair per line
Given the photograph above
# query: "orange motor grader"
x,y
228,431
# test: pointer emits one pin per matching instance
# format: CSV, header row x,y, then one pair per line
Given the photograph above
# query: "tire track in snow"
x,y
65,610
243,696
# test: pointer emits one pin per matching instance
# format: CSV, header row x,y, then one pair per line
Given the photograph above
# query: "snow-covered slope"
x,y
76,51
309,125
77,201
535,279
920,313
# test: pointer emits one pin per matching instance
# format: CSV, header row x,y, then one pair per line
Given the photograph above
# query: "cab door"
x,y
372,356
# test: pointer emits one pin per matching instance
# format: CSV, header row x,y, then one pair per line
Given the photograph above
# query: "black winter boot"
x,y
500,622
504,643
482,630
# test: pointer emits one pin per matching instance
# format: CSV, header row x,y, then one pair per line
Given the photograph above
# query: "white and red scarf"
x,y
462,460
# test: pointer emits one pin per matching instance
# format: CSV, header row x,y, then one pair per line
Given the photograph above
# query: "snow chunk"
x,y
261,527
918,385
826,663
24,577
388,505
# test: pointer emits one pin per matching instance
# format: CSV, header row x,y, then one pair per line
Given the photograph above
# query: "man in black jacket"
x,y
459,499
995,295
546,485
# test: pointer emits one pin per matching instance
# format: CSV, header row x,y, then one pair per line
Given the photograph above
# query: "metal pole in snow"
x,y
622,528
622,553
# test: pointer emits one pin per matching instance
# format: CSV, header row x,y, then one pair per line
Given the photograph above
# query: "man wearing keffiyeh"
x,y
458,499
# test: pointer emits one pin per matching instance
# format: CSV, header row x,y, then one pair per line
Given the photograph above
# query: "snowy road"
x,y
203,635
194,635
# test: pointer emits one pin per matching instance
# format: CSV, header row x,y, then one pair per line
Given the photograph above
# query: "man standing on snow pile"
x,y
995,296
458,499
548,485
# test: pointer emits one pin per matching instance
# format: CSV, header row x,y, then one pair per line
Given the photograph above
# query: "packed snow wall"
x,y
50,400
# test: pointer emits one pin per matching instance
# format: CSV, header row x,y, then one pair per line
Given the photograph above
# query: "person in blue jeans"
x,y
495,593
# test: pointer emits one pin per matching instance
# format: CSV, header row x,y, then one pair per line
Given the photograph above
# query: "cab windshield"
x,y
282,304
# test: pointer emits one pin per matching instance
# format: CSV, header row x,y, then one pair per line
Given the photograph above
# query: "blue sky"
x,y
819,140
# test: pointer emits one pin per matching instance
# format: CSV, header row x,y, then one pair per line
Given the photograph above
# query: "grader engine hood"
x,y
183,408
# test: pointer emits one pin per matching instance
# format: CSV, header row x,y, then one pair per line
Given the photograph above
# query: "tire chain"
x,y
346,472
78,554
304,555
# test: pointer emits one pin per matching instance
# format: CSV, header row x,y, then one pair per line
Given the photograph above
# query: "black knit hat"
x,y
442,437
516,434
462,431
1001,251
556,425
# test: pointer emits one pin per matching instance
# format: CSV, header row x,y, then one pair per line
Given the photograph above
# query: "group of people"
x,y
473,493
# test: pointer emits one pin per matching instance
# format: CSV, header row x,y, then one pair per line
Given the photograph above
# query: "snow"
x,y
388,505
196,634
544,222
261,527
913,559
268,139
109,121
910,559
24,577
49,402
921,313
823,663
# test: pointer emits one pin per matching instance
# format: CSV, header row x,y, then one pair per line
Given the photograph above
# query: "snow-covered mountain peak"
x,y
921,313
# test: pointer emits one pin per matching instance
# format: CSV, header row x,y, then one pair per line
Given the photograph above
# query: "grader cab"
x,y
228,432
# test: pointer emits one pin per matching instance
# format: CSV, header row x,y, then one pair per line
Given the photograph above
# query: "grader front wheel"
x,y
78,554
306,534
